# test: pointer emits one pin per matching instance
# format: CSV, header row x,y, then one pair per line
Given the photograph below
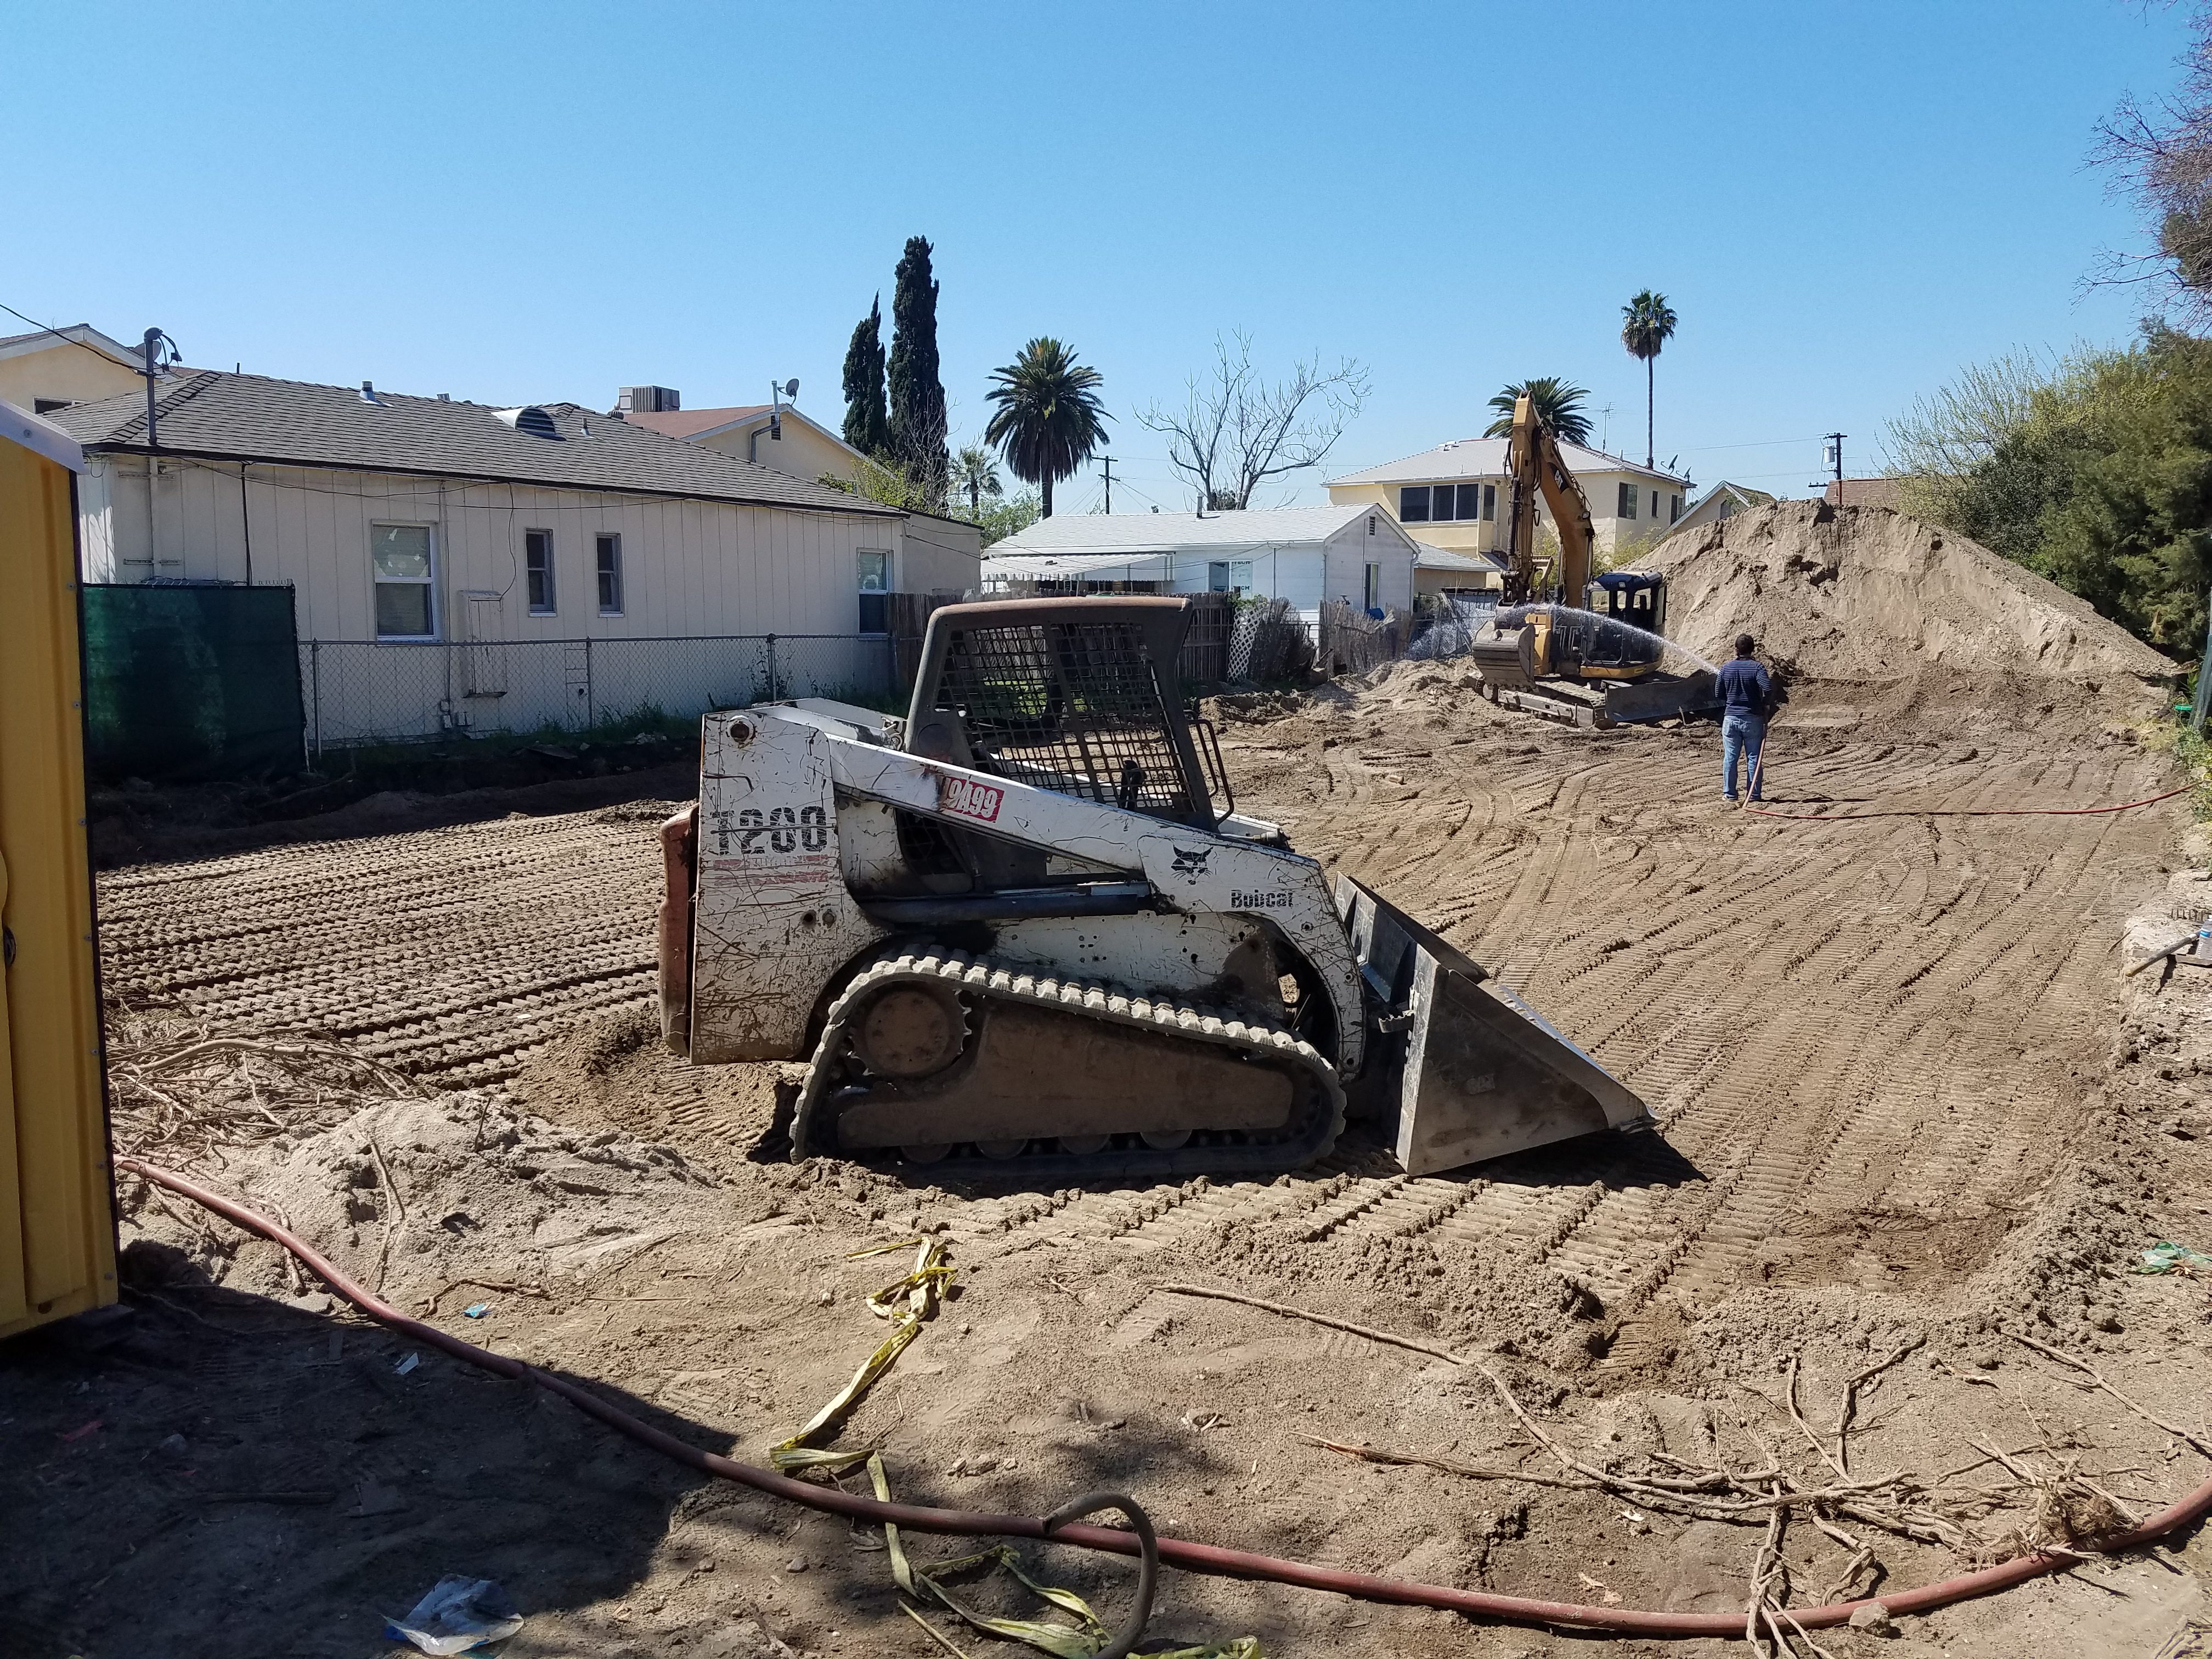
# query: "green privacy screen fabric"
x,y
186,683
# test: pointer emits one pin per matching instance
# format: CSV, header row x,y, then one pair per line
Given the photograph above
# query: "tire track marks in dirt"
x,y
1827,1019
451,954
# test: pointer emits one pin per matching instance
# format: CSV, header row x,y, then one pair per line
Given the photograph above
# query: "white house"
x,y
1306,555
1450,495
457,566
1724,501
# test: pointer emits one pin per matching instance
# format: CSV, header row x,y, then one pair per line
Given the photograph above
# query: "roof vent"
x,y
531,419
368,395
648,399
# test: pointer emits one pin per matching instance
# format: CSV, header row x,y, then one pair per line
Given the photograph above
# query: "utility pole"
x,y
1836,459
1108,470
153,348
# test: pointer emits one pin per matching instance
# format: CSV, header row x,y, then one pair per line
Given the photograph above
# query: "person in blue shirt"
x,y
1745,694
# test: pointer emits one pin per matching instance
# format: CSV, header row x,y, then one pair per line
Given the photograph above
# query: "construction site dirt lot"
x,y
1909,1114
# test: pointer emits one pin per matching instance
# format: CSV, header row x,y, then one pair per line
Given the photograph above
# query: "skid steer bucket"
x,y
1480,1073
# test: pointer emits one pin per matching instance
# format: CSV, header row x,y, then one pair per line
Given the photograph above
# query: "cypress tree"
x,y
867,422
917,396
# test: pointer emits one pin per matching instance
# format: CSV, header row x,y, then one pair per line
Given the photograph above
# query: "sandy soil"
x,y
1858,592
1910,1113
1903,1091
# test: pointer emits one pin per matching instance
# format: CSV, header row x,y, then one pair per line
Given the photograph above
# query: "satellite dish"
x,y
791,389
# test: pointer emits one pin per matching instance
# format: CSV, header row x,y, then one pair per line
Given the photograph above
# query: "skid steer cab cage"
x,y
1081,699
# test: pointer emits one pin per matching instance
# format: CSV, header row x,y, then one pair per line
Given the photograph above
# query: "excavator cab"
x,y
1637,598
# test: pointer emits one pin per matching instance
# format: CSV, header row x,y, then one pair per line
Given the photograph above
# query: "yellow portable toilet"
x,y
56,1189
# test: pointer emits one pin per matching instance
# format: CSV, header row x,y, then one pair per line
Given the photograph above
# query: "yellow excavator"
x,y
1566,642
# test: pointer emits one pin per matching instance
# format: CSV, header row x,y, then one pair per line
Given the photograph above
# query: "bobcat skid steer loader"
x,y
1025,928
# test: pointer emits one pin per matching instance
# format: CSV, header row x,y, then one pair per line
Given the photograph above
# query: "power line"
x,y
1763,443
57,333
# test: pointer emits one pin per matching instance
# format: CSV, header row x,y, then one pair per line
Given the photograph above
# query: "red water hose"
x,y
1176,1552
1970,812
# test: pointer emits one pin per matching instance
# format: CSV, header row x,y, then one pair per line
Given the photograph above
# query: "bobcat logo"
x,y
1192,862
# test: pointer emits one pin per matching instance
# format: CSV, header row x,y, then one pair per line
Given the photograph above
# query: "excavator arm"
x,y
1535,469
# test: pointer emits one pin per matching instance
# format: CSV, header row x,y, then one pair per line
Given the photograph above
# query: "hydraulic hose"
x,y
1173,1552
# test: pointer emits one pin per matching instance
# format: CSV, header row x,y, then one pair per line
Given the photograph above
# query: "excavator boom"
x,y
1545,644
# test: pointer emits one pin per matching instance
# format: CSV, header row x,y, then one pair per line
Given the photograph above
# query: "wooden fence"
x,y
1352,641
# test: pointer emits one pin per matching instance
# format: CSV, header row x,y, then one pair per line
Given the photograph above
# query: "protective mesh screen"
x,y
1070,707
191,682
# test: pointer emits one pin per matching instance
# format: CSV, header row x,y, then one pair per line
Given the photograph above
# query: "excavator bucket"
x,y
1481,1073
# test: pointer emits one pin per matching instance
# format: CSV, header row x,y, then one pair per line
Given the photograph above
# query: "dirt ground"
x,y
1910,1113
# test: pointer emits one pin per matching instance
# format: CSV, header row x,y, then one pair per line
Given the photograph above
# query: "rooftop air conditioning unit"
x,y
648,399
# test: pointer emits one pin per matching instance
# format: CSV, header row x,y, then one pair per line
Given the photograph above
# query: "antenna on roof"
x,y
157,364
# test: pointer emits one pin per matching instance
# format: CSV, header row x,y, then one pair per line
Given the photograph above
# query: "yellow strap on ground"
x,y
906,1301
1059,1640
919,1291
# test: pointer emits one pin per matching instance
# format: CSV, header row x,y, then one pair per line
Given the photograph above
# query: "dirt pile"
x,y
1860,592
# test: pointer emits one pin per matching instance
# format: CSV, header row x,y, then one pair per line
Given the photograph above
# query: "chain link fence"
x,y
1445,626
365,692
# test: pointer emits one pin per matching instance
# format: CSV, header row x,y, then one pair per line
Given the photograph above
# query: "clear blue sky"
x,y
1844,203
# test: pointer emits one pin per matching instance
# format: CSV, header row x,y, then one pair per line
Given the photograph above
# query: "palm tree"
x,y
1049,420
1559,403
977,474
1647,324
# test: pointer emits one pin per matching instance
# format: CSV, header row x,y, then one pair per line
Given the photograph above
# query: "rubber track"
x,y
977,977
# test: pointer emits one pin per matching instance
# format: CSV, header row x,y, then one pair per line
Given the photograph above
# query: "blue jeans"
x,y
1742,734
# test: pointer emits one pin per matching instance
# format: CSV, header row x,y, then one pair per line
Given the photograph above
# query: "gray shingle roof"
x,y
251,417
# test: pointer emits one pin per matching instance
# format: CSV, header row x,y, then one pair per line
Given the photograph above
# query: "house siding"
x,y
689,567
1351,550
801,452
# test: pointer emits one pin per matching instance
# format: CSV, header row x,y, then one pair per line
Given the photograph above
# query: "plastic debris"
x,y
408,1364
2167,1257
458,1614
476,1311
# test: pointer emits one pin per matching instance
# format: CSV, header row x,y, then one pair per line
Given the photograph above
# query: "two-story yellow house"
x,y
1448,497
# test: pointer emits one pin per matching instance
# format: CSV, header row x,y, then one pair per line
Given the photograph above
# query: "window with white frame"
x,y
537,572
1229,576
1625,505
401,569
609,556
1414,504
1373,589
1655,507
1490,501
1674,508
875,592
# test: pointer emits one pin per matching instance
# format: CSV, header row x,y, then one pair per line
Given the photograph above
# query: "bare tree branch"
x,y
2159,158
1235,430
